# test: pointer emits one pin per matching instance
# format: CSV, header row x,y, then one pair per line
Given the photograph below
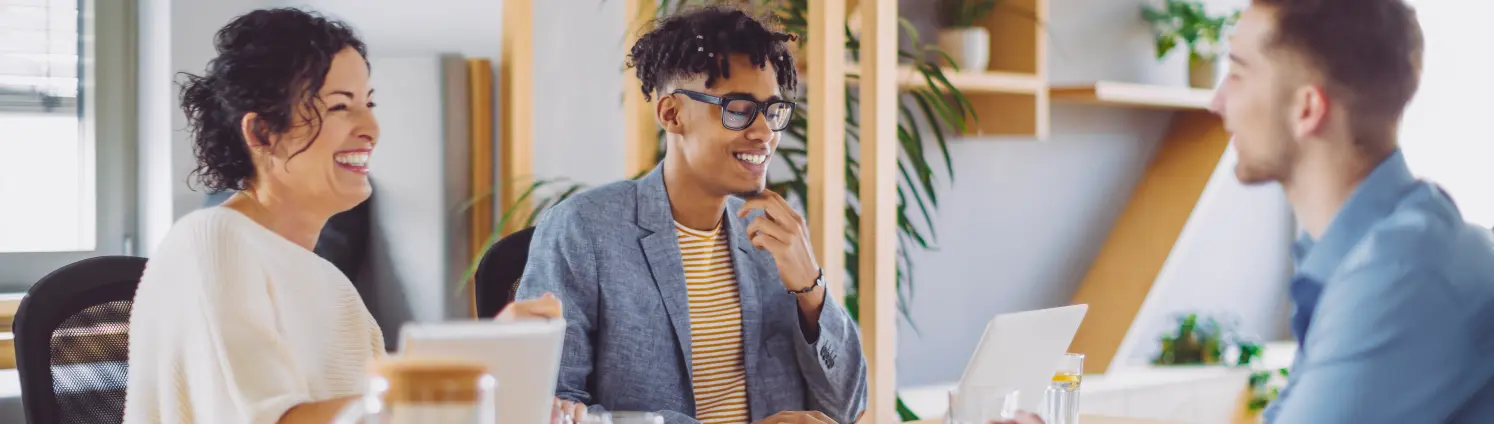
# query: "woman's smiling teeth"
x,y
357,160
754,159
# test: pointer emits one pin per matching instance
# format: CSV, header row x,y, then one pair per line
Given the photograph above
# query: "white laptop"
x,y
524,356
1021,351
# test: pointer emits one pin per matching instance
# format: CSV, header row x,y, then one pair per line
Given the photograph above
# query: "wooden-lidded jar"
x,y
429,390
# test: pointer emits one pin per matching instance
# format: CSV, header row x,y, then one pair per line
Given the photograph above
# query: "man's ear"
x,y
667,110
1310,110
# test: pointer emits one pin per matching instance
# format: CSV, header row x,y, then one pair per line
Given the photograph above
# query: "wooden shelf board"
x,y
968,82
1134,95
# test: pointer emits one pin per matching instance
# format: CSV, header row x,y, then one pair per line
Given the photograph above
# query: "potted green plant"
x,y
968,43
1205,340
1187,22
1193,342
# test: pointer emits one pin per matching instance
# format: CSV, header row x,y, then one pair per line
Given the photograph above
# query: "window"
x,y
40,115
1445,134
66,133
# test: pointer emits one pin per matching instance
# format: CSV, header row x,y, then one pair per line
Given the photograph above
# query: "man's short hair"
x,y
1368,51
700,40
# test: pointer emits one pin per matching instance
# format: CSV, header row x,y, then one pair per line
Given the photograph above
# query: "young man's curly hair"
x,y
700,41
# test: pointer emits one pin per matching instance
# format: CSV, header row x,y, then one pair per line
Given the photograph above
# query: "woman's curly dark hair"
x,y
271,62
699,41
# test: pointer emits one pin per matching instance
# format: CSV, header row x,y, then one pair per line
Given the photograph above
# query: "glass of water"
x,y
1061,402
623,417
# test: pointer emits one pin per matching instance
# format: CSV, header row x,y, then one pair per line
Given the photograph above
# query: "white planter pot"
x,y
969,47
1202,73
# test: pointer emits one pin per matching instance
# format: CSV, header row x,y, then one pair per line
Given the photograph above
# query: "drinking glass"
x,y
622,417
1061,401
980,405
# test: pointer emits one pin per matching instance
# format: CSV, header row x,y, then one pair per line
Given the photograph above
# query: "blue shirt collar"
x,y
1373,199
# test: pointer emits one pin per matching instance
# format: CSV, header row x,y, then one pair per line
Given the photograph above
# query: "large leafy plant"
x,y
930,116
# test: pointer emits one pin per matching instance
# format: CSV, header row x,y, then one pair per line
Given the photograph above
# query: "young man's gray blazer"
x,y
612,256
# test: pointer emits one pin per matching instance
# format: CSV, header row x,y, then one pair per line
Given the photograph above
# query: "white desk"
x,y
1168,394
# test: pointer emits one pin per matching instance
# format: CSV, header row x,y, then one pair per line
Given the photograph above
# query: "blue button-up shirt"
x,y
1394,311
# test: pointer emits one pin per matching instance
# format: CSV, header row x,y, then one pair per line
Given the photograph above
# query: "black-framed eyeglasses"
x,y
739,113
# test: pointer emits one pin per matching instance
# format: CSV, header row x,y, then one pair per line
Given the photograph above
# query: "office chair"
x,y
72,340
497,277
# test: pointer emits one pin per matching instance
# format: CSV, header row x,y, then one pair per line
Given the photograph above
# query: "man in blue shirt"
x,y
1393,292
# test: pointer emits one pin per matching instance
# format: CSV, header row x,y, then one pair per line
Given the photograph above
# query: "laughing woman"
x,y
236,319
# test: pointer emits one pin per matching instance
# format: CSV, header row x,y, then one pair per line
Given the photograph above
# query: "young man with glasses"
x,y
692,292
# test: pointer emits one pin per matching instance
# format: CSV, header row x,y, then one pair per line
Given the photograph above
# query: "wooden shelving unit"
x,y
970,82
1014,86
1126,94
1013,97
988,82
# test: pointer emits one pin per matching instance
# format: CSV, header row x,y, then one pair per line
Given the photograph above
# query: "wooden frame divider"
x,y
480,134
877,287
827,154
516,91
640,129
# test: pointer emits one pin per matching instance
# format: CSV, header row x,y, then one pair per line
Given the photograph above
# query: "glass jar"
x,y
980,405
425,390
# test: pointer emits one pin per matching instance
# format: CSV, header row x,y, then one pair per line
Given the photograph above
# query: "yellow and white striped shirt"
x,y
719,377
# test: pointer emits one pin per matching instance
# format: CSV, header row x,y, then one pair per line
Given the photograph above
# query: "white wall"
x,y
578,90
410,245
405,28
1231,261
1451,106
578,123
175,36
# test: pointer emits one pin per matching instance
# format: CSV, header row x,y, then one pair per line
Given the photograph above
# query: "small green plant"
x,y
965,13
1207,341
1194,342
1264,389
1186,22
1249,352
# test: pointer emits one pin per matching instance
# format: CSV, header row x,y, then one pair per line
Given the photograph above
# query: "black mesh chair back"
x,y
72,339
498,273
